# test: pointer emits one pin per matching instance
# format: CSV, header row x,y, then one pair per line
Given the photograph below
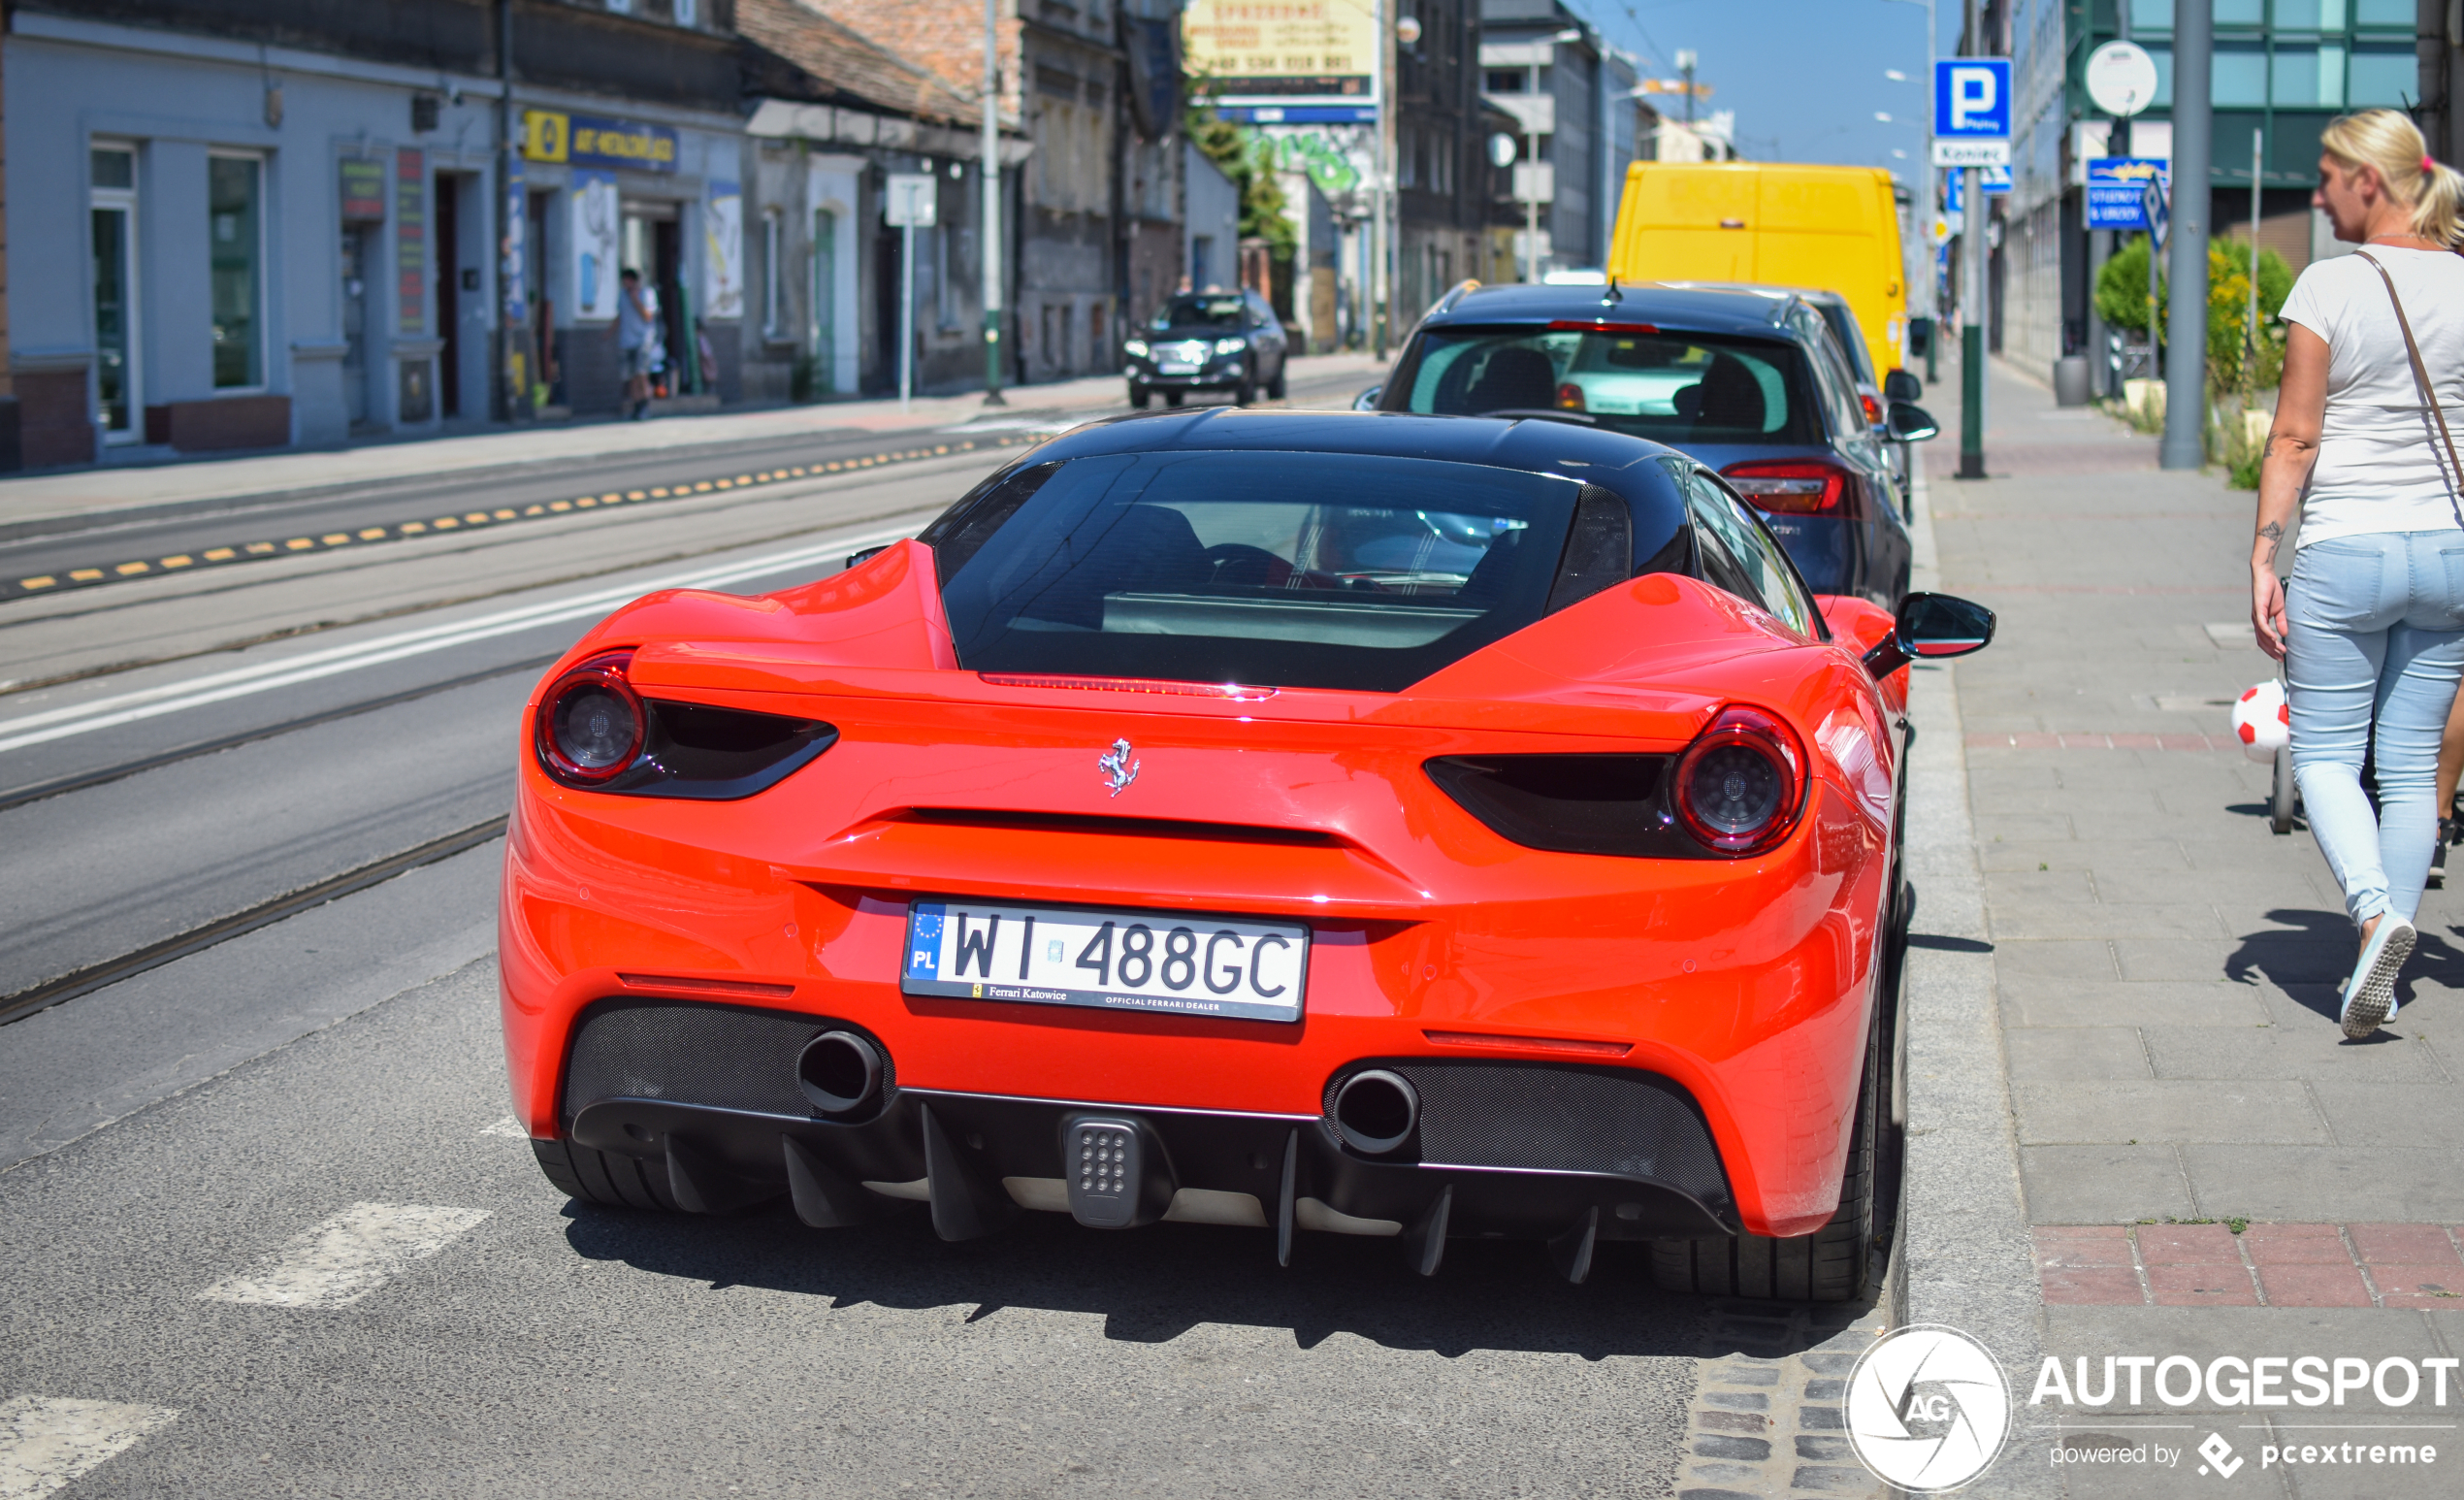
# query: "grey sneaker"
x,y
2370,994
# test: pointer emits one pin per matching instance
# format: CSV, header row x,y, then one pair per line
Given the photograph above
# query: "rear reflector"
x,y
1560,1044
682,986
1158,686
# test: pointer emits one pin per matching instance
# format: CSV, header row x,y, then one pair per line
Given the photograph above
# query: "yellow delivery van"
x,y
1777,223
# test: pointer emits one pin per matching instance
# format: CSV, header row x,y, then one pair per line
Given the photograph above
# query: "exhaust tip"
x,y
839,1072
1376,1111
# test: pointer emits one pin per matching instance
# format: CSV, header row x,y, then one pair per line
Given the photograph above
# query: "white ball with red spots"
x,y
2263,722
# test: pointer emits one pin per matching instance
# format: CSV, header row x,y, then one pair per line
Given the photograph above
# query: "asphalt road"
x,y
268,1230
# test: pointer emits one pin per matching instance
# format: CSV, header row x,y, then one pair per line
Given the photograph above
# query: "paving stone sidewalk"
x,y
2210,1167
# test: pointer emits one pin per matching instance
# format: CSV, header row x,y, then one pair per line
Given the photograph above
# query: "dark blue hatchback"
x,y
1749,381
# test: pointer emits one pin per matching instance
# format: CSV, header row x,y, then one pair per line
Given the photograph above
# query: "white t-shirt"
x,y
2382,467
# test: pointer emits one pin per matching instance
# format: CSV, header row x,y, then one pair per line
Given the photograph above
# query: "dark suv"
x,y
1209,341
1751,383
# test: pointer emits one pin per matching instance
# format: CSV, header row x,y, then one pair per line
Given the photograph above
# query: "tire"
x,y
605,1177
1246,393
1833,1264
1275,387
1140,395
2283,801
1172,398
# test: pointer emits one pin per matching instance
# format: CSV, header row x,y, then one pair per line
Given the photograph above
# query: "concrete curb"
x,y
1967,1252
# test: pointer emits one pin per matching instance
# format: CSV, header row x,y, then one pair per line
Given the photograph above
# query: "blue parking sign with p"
x,y
1972,98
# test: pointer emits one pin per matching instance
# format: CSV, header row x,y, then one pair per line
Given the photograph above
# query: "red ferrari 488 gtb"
x,y
1353,823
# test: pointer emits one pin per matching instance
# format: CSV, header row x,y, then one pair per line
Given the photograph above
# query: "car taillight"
x,y
1570,397
1739,786
1874,410
1794,486
590,723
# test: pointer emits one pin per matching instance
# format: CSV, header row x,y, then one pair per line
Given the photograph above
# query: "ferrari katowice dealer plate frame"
x,y
1173,963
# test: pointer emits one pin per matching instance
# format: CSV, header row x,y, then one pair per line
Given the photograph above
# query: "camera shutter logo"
x,y
1928,1409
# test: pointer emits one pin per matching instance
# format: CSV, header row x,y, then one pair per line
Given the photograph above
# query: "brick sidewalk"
x,y
2210,1168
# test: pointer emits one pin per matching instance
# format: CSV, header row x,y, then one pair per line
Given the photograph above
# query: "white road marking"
x,y
102,713
349,1256
47,1441
508,1128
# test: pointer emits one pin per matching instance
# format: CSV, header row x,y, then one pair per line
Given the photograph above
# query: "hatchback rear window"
x,y
1675,388
1288,570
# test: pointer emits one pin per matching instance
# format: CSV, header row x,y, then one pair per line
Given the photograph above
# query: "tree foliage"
x,y
1248,160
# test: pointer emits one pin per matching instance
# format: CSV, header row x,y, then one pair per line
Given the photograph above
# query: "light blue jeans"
x,y
2376,630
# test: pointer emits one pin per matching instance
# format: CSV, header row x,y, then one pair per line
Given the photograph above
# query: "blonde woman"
x,y
2371,625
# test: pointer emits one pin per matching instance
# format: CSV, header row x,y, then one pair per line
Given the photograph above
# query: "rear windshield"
x,y
1224,312
1286,570
1674,388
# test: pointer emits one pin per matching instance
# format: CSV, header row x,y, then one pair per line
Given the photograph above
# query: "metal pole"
x,y
2249,321
1972,295
1530,174
1932,299
2186,241
1392,251
990,239
906,312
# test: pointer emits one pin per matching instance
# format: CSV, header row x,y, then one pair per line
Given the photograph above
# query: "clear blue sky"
x,y
1806,78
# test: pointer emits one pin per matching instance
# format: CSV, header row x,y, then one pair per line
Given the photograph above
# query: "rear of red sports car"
x,y
1182,831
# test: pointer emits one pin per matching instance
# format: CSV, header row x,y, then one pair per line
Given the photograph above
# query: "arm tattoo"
x,y
2273,533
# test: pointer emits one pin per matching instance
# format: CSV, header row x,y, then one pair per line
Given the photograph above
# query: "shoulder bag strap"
x,y
2421,379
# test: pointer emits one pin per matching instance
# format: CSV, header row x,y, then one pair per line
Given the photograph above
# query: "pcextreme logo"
x,y
1928,1409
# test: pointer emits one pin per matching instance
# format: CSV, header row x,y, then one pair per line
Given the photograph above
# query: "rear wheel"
x,y
1831,1264
604,1176
2283,798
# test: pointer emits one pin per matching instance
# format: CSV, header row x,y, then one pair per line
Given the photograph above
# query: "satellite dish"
x,y
1407,30
1503,151
2122,78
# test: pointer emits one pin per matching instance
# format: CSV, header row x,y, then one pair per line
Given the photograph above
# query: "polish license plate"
x,y
1174,366
1172,962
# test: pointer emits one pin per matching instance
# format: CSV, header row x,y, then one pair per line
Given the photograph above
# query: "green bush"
x,y
2121,301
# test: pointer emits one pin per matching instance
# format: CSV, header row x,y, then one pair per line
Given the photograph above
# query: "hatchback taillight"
x,y
1792,487
1739,786
1874,410
1570,397
590,723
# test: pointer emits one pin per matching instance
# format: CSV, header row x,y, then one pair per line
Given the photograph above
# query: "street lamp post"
x,y
1930,303
990,168
2185,445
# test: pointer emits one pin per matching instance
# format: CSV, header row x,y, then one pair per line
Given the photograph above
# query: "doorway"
x,y
448,242
114,244
653,245
824,343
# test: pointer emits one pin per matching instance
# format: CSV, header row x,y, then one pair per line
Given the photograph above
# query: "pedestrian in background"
x,y
637,316
2371,625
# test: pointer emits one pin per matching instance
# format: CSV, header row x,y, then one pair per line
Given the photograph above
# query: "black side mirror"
x,y
1907,423
1366,400
856,558
1900,385
1931,626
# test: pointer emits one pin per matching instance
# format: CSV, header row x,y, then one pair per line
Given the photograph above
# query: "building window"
x,y
115,235
688,12
2383,74
236,249
2238,77
774,273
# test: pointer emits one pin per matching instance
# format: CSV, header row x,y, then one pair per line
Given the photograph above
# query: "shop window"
x,y
114,229
236,250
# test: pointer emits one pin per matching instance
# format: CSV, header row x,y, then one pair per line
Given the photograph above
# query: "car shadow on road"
x,y
1154,1285
2309,955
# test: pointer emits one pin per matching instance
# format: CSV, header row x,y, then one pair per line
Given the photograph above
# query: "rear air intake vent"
x,y
1613,804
